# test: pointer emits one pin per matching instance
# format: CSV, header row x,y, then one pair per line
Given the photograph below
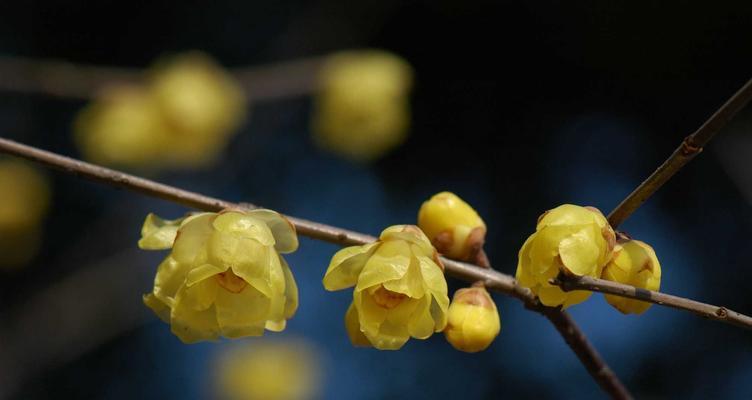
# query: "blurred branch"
x,y
690,147
80,81
493,280
709,311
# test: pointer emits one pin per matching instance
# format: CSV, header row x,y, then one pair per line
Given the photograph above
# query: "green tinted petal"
x,y
169,278
390,261
291,290
283,230
191,325
242,314
579,253
200,296
346,265
421,324
370,314
192,238
389,337
412,284
241,225
357,338
158,233
205,271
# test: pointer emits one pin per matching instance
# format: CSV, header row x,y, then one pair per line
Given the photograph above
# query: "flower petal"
x,y
421,324
158,233
357,338
412,284
169,278
291,290
411,234
205,271
579,252
242,314
370,314
390,261
346,265
242,225
192,325
192,237
283,230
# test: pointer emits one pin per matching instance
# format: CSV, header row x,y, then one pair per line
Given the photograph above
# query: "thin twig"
x,y
691,146
493,279
717,313
80,81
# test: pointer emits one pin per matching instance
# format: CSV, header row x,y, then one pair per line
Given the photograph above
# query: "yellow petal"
x,y
200,296
545,246
256,264
390,261
158,306
192,238
566,214
205,271
579,252
346,265
411,234
169,278
576,297
421,324
524,264
390,336
158,233
242,314
436,283
353,328
276,326
286,239
291,290
412,284
191,325
370,314
552,296
241,225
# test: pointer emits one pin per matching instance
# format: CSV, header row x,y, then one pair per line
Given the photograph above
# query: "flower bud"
x,y
453,226
635,264
362,110
570,239
473,321
400,289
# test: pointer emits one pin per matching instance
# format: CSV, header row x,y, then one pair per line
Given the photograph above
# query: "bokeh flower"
x,y
400,289
24,201
570,239
224,275
288,369
473,321
182,117
454,227
362,110
634,263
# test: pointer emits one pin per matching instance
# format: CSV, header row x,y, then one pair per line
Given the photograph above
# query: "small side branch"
x,y
709,311
691,146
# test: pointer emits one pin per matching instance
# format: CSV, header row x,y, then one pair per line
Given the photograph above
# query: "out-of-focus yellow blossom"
x,y
570,239
473,320
363,108
224,275
636,264
270,370
400,289
453,226
24,201
183,117
123,127
202,104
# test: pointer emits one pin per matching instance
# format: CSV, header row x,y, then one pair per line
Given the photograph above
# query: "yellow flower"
x,y
452,225
473,320
123,128
572,239
183,117
269,370
224,275
24,200
363,110
400,289
202,104
636,264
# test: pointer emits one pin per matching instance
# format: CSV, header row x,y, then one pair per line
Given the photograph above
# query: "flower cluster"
x,y
400,289
224,275
362,110
182,118
569,239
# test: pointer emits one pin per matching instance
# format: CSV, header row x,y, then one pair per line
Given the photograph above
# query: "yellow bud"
x,y
570,239
224,275
400,289
122,127
24,200
269,370
636,264
202,104
473,320
453,226
362,111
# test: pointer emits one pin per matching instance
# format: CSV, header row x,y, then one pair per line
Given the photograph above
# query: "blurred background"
x,y
515,106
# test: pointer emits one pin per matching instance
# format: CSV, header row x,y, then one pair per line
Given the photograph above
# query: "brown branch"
x,y
80,81
493,280
709,311
691,146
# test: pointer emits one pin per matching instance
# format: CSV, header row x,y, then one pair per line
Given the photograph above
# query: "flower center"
x,y
387,299
231,282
